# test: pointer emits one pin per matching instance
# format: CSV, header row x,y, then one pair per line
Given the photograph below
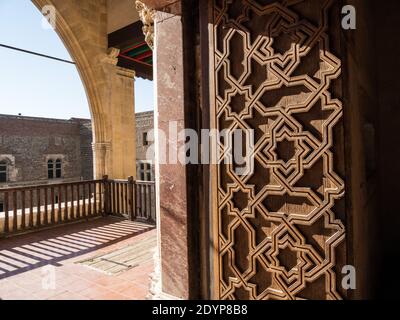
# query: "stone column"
x,y
171,277
171,178
123,121
119,115
102,157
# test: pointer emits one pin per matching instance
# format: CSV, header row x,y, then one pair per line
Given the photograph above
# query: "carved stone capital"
x,y
147,15
112,56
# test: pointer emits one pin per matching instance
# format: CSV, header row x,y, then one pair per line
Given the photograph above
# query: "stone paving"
x,y
46,265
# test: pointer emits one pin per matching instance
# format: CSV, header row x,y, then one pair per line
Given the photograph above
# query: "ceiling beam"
x,y
127,39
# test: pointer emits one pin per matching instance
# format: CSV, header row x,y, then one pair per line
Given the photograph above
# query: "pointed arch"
x,y
82,26
73,41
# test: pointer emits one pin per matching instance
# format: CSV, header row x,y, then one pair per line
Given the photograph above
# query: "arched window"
x,y
50,169
3,172
58,169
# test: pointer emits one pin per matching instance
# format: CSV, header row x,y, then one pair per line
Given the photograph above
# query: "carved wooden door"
x,y
279,233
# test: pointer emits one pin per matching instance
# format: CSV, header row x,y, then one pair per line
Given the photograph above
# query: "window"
x,y
142,172
145,141
50,169
3,171
148,178
54,169
58,169
145,171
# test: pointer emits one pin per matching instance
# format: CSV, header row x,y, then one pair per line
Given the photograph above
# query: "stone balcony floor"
x,y
84,261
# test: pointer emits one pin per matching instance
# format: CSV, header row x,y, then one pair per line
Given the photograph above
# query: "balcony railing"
x,y
34,207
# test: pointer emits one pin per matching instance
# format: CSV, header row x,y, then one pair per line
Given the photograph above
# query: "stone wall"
x,y
144,141
27,144
86,140
30,142
144,124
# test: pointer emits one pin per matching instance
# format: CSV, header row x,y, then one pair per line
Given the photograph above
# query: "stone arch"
x,y
74,47
82,26
7,160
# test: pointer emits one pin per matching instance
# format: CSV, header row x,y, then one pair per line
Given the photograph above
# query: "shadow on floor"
x,y
50,247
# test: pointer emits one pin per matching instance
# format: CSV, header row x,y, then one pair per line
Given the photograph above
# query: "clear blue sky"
x,y
35,86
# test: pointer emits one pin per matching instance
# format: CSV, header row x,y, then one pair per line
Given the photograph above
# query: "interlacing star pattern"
x,y
277,230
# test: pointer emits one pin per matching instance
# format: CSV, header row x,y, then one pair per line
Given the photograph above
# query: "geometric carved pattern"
x,y
279,232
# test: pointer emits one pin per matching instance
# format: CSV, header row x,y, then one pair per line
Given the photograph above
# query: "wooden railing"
x,y
134,199
34,207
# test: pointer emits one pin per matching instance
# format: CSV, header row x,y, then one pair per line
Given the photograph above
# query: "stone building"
x,y
40,150
144,138
29,145
45,151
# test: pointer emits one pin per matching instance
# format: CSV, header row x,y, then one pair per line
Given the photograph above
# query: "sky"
x,y
39,87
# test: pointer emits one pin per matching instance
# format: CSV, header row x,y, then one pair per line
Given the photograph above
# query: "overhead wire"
x,y
36,54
